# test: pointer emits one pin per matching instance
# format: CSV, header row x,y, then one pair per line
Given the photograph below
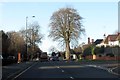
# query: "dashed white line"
x,y
71,77
63,71
58,67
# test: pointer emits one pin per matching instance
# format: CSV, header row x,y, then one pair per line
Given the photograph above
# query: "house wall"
x,y
110,43
101,44
113,43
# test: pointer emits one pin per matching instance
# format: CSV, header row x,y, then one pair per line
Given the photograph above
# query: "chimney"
x,y
88,40
92,41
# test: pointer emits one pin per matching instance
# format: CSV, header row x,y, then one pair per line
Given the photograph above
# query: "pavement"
x,y
11,70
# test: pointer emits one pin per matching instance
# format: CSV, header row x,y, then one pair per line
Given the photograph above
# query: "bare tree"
x,y
33,34
66,27
33,37
16,42
53,49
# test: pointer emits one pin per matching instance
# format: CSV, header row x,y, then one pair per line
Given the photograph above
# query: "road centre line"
x,y
71,77
63,71
60,67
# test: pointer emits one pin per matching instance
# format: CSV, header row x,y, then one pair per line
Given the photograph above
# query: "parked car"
x,y
9,60
11,57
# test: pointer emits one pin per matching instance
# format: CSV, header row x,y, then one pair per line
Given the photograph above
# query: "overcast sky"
x,y
99,18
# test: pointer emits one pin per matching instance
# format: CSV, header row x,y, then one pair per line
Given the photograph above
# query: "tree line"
x,y
23,41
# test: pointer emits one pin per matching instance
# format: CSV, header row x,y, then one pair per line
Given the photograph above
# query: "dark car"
x,y
54,58
43,56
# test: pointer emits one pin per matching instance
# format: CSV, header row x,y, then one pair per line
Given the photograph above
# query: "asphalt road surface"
x,y
63,70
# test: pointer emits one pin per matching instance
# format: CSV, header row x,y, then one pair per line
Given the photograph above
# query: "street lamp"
x,y
26,35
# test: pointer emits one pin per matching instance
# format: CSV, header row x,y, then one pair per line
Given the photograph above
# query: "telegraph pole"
x,y
26,39
26,36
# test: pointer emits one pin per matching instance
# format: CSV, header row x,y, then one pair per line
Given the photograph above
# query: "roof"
x,y
98,41
113,37
118,38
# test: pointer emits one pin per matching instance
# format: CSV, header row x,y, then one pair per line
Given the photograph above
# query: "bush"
x,y
87,51
110,54
100,55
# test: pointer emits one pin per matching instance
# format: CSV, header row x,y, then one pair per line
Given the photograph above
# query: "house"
x,y
118,38
99,42
113,40
110,49
110,40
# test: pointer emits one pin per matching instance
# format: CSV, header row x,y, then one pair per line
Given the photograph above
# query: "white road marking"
x,y
103,68
111,71
71,77
24,71
47,67
63,71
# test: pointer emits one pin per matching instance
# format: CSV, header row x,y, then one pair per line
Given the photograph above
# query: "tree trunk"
x,y
67,51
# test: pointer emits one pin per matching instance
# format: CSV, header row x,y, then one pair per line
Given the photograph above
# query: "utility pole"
x,y
26,36
26,39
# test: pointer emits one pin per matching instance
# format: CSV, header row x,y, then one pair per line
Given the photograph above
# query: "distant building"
x,y
99,42
110,40
113,40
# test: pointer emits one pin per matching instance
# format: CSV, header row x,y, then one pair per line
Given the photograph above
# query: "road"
x,y
69,70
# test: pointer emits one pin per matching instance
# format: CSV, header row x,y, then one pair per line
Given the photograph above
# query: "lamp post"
x,y
26,35
26,39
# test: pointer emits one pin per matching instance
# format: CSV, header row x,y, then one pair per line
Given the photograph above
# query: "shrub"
x,y
110,54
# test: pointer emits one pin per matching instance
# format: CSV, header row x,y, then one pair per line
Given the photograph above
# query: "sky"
x,y
99,18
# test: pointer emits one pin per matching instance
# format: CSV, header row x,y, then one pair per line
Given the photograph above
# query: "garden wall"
x,y
90,57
